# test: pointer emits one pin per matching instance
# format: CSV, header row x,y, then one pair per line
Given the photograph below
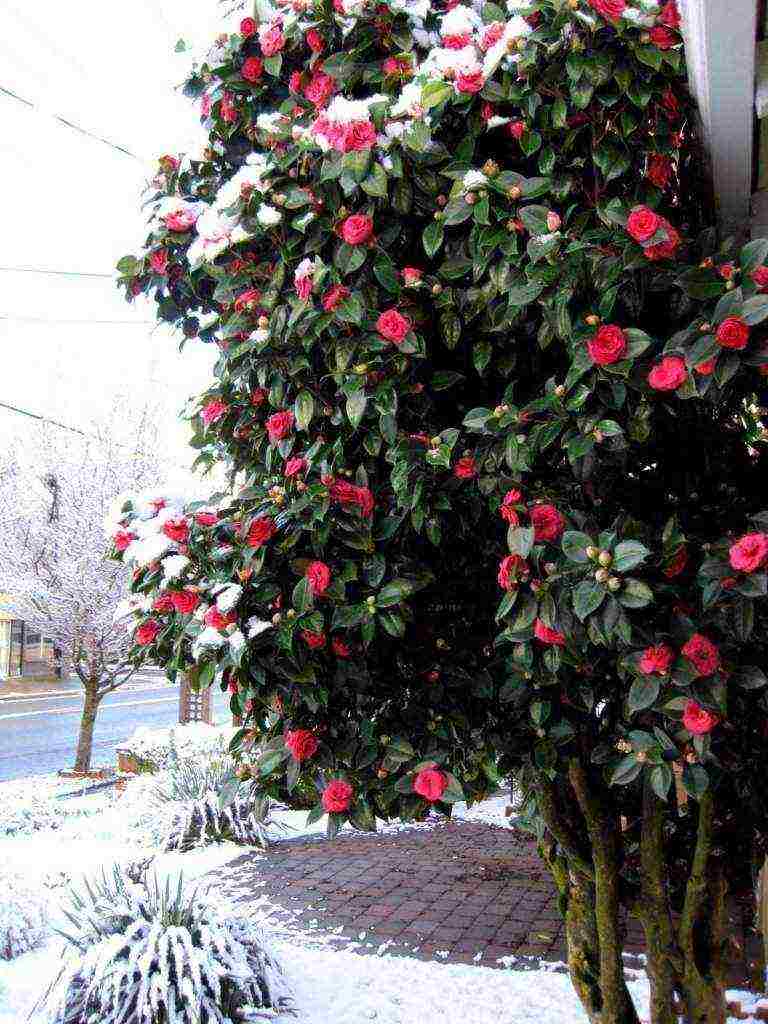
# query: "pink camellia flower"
x,y
516,129
147,632
252,69
656,660
611,10
228,109
430,783
732,333
457,41
302,744
411,276
507,510
760,276
393,326
465,468
668,375
663,37
356,137
206,518
677,563
185,601
260,531
553,221
183,219
158,261
547,635
337,796
698,720
313,640
248,27
213,411
279,425
340,649
470,82
122,539
319,88
510,569
218,620
397,66
659,170
669,15
703,654
707,367
247,300
163,604
491,35
315,41
319,576
271,39
643,223
334,297
547,523
295,466
177,529
608,345
357,229
749,552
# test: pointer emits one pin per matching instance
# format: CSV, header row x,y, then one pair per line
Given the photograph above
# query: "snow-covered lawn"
x,y
52,843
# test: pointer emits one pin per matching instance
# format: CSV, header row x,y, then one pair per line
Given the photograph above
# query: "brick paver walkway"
x,y
461,888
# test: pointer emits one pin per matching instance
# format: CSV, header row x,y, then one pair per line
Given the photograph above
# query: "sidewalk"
x,y
14,687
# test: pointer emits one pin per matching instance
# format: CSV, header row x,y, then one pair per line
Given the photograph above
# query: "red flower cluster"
x,y
260,531
218,620
465,468
319,576
349,495
357,229
732,333
668,375
279,425
698,720
337,796
643,224
302,744
656,660
608,345
511,569
702,654
184,601
547,523
393,326
147,632
177,529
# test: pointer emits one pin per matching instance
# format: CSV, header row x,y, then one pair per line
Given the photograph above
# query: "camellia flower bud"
x,y
490,168
276,618
593,320
360,367
614,583
553,221
290,614
514,192
645,37
605,558
470,198
437,289
263,322
560,390
592,552
601,575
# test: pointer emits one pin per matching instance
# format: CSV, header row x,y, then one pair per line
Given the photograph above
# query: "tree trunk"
x,y
87,723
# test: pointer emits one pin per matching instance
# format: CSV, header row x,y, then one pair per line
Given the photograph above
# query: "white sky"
x,y
71,203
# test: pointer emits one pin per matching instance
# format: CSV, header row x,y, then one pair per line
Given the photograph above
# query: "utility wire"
x,y
70,124
62,273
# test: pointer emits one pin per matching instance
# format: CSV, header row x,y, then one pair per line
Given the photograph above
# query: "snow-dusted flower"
x,y
148,549
473,180
227,598
460,21
236,641
271,122
174,566
257,626
209,640
268,216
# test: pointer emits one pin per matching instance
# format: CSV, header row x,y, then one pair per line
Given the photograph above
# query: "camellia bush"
x,y
489,389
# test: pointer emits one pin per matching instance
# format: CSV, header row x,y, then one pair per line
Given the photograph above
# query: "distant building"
x,y
23,651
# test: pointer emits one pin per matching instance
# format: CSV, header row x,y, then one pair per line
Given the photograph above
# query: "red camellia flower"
x,y
339,648
509,569
760,276
163,604
122,539
608,346
732,333
313,640
295,466
491,35
315,41
643,223
411,276
547,523
302,744
707,367
217,619
158,261
465,468
258,396
507,510
177,529
214,411
659,169
703,654
668,375
457,42
319,576
749,552
184,601
676,564
334,297
206,518
656,659
670,103
252,69
393,326
248,299
726,271
608,9
337,796
279,425
430,783
669,15
516,129
260,531
469,82
248,27
663,37
347,494
147,632
698,720
548,636
666,249
357,229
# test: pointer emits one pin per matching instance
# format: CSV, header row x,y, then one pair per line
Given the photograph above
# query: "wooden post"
x,y
194,706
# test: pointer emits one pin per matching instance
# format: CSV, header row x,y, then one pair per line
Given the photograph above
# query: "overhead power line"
x,y
61,273
70,124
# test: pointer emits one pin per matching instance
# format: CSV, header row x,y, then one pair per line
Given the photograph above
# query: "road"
x,y
38,734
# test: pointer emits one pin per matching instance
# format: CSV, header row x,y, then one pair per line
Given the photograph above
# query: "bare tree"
x,y
56,488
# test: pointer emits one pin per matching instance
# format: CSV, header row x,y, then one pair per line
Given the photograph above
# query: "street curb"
x,y
32,694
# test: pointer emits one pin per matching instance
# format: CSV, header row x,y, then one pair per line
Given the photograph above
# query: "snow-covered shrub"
x,y
156,749
144,954
23,916
25,809
207,804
